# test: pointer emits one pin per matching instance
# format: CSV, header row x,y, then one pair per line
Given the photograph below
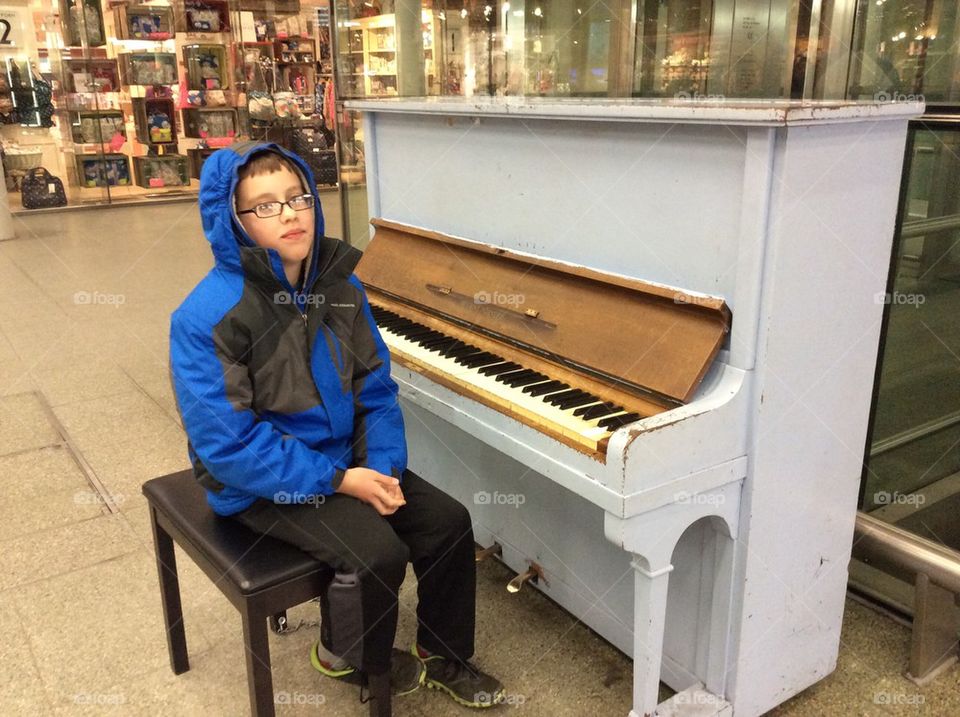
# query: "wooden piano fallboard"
x,y
573,352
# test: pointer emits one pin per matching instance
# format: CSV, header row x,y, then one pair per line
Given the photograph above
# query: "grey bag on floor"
x,y
342,630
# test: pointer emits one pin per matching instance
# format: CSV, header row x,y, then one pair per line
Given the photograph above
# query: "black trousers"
x,y
433,531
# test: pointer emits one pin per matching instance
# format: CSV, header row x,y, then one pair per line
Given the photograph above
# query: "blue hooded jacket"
x,y
280,391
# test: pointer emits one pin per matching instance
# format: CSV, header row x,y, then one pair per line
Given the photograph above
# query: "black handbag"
x,y
41,190
313,148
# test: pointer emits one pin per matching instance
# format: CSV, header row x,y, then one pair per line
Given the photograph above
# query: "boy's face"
x,y
290,232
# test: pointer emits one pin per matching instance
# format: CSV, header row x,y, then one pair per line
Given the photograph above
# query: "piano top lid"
x,y
651,337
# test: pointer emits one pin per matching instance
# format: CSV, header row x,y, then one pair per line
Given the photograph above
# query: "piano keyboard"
x,y
576,414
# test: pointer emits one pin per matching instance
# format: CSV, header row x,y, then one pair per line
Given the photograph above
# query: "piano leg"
x,y
650,614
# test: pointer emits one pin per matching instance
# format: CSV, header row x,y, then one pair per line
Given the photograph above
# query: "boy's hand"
x,y
379,490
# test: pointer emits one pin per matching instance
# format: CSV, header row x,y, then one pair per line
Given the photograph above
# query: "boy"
x,y
294,429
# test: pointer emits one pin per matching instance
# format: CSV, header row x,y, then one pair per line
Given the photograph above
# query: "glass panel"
x,y
914,462
530,47
906,47
388,49
353,184
711,49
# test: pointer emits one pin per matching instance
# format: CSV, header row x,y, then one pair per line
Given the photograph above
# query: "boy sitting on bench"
x,y
283,384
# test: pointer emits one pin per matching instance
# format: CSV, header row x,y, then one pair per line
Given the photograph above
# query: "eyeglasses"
x,y
266,210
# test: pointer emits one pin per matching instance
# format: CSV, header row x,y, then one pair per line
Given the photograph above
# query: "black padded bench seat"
x,y
262,577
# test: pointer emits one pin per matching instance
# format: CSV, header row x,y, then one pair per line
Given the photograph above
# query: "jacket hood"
x,y
228,239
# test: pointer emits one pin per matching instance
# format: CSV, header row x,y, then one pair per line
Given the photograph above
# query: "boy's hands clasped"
x,y
379,490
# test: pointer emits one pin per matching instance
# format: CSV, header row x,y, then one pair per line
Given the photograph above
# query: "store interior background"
x,y
282,69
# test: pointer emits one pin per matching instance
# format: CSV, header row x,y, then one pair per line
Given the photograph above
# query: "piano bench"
x,y
261,577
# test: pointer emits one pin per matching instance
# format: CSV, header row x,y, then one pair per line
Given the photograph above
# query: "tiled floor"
x,y
84,303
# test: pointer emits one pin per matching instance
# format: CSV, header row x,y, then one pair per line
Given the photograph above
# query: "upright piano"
x,y
637,339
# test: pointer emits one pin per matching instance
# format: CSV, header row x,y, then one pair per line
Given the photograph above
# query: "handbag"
x,y
285,104
41,190
313,148
260,106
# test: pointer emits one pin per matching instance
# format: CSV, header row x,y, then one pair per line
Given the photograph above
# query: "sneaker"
x,y
407,672
463,681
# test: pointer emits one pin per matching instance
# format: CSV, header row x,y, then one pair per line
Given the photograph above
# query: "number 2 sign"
x,y
11,28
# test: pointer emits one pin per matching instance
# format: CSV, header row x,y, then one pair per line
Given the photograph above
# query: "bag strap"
x,y
36,171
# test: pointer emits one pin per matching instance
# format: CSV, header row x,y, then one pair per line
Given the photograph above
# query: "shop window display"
x,y
98,127
144,22
103,170
126,100
170,170
206,67
156,120
83,23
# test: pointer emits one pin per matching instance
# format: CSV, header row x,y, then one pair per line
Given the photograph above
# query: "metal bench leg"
x,y
256,647
170,597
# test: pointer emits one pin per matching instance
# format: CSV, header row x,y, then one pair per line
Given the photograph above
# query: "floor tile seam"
x,y
22,451
82,463
157,403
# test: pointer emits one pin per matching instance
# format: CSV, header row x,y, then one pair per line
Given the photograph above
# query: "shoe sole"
x,y
497,699
335,674
353,676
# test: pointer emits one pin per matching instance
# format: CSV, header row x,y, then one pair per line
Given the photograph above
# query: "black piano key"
x,y
577,402
614,422
589,413
431,344
464,351
499,368
432,336
416,332
527,380
439,345
555,398
544,388
480,359
481,356
562,403
522,373
458,348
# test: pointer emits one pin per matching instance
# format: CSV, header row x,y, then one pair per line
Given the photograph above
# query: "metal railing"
x,y
935,572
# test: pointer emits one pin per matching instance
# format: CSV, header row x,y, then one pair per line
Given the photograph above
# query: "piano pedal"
x,y
534,574
484,553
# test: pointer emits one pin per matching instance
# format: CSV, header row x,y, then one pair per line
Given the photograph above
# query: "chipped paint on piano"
x,y
692,537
